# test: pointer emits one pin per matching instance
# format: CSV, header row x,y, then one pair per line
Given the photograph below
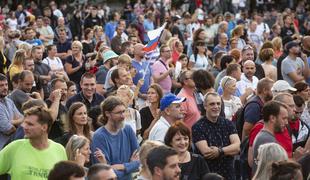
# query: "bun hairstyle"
x,y
285,170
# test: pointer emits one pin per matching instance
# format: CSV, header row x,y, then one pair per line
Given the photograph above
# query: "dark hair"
x,y
49,47
198,43
33,102
226,59
301,86
212,176
271,108
157,157
183,77
70,83
196,34
115,74
70,126
65,169
22,75
231,68
266,54
284,170
54,81
203,79
298,100
86,32
95,169
43,114
3,77
125,45
218,56
87,75
107,106
263,84
177,127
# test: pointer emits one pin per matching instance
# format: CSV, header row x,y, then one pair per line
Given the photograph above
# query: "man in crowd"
x,y
101,172
116,42
294,68
63,45
170,106
37,87
161,71
9,114
189,107
163,163
248,80
216,138
222,46
247,53
88,94
252,110
35,156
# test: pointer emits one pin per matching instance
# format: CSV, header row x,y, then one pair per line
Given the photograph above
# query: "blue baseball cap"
x,y
169,99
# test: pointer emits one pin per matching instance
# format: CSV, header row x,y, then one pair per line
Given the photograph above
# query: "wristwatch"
x,y
221,152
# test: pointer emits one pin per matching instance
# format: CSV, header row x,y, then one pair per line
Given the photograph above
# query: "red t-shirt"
x,y
283,138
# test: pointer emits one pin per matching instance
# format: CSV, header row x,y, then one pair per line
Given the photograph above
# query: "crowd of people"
x,y
224,95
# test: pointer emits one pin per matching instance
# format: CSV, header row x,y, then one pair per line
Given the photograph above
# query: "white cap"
x,y
281,85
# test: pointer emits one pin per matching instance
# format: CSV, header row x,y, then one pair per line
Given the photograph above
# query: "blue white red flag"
x,y
154,37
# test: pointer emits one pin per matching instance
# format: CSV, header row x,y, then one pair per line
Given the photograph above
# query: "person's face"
x,y
138,51
213,106
39,22
85,151
125,96
90,35
134,40
180,142
27,83
80,116
202,35
38,54
223,39
30,34
124,77
248,55
47,12
29,65
281,120
63,35
172,170
32,128
189,82
209,22
88,86
4,88
180,47
231,88
117,115
71,91
249,70
305,94
253,26
278,30
94,12
267,93
288,20
53,51
184,62
201,48
64,89
76,49
106,175
175,112
152,96
295,50
166,53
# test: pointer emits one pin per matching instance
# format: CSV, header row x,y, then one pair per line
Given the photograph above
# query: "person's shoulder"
x,y
201,121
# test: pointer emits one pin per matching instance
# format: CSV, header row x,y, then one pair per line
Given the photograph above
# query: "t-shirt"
x,y
55,64
289,65
23,162
195,169
252,112
159,68
201,62
263,137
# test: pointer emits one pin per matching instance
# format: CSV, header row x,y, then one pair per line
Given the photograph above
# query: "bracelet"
x,y
221,152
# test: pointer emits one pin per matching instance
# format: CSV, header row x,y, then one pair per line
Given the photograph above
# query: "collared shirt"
x,y
246,83
97,99
159,130
159,68
7,112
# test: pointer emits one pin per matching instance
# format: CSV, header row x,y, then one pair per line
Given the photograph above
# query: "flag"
x,y
154,36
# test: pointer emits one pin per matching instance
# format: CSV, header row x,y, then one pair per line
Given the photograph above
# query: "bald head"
x,y
138,51
249,69
249,63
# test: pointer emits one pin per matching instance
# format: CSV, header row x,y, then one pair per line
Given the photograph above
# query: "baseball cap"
x,y
169,99
281,85
108,55
291,44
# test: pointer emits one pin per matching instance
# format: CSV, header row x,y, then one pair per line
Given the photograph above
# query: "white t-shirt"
x,y
55,64
12,23
134,121
200,63
231,106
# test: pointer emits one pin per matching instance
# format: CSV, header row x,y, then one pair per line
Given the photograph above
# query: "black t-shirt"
x,y
195,169
287,31
146,118
76,76
57,127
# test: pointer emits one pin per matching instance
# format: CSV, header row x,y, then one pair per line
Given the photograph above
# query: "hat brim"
x,y
178,100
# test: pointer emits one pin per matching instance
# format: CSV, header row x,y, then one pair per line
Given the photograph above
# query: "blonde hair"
x,y
267,154
126,89
77,43
124,59
226,81
277,43
237,31
146,147
2,43
75,142
19,57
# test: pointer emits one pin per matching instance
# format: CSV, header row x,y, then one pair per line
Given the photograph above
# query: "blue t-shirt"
x,y
110,29
35,42
142,69
252,112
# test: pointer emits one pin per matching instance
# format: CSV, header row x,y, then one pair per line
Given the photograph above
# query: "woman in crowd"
x,y
146,147
71,89
199,58
303,90
17,63
231,103
75,64
277,47
150,113
77,123
237,33
267,154
4,61
285,170
78,151
88,43
98,34
267,56
27,47
181,65
132,116
193,166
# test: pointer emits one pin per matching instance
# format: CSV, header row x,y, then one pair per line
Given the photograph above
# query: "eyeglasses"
x,y
247,47
119,112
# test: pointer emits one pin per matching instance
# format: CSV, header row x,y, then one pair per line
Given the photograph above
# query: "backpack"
x,y
238,117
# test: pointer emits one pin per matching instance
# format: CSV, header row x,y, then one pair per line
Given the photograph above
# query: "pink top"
x,y
158,68
190,108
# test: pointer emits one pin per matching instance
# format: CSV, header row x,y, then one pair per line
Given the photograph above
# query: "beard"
x,y
268,97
